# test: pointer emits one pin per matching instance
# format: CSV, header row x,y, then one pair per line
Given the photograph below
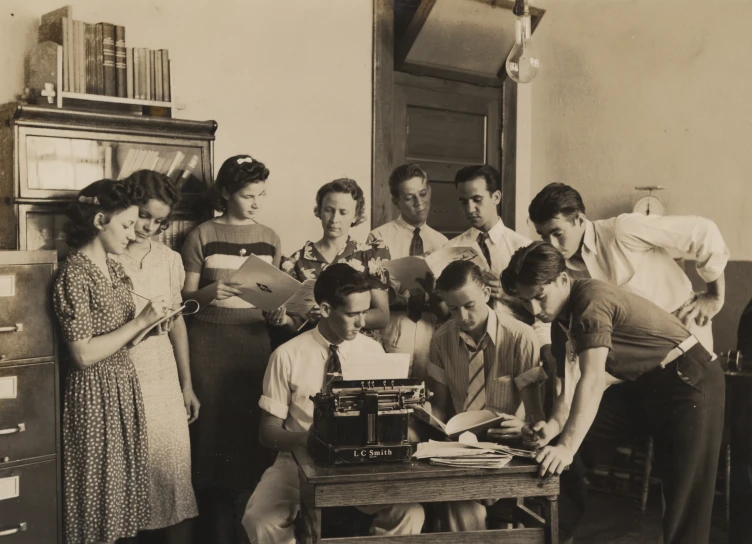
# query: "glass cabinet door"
x,y
41,227
61,163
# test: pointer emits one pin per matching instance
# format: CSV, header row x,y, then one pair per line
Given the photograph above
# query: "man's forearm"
x,y
587,398
278,439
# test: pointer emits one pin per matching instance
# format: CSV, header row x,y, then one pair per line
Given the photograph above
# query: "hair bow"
x,y
242,160
92,200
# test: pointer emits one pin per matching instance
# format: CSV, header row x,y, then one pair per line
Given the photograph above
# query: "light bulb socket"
x,y
520,8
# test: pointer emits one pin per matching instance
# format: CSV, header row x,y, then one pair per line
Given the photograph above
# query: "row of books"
x,y
97,61
172,163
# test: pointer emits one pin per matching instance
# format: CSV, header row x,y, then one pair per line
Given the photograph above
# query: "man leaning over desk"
x,y
298,369
631,251
480,359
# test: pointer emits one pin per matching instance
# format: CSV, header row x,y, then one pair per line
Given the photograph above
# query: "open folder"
x,y
409,271
267,287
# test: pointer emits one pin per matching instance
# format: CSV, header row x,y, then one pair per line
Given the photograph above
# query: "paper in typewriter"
x,y
408,271
376,366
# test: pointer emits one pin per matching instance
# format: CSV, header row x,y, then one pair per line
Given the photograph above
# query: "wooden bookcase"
x,y
47,155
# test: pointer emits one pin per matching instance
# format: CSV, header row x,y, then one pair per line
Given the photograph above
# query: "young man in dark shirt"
x,y
672,388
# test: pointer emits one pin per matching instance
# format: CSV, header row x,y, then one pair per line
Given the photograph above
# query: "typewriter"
x,y
357,422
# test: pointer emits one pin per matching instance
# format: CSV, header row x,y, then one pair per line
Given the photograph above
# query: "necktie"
x,y
333,366
416,245
482,238
476,389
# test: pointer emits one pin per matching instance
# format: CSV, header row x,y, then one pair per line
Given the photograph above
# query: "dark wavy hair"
x,y
105,196
403,173
555,199
338,281
145,185
539,263
347,186
485,171
234,174
457,274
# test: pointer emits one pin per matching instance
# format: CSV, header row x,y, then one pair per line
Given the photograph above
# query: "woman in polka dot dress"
x,y
105,455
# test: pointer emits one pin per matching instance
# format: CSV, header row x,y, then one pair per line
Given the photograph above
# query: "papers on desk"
x,y
267,287
376,366
455,454
409,271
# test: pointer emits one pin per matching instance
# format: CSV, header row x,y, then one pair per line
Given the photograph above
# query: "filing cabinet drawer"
x,y
28,504
26,317
27,412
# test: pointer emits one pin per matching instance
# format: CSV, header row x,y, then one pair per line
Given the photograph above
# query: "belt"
x,y
679,350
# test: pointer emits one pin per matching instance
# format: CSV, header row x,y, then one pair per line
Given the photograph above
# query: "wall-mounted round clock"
x,y
650,205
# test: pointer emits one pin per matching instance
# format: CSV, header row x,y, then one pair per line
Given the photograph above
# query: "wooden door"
x,y
445,125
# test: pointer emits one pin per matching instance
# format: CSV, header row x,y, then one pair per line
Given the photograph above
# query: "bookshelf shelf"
x,y
48,154
115,100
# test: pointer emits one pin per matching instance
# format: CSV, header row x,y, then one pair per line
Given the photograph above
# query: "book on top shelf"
x,y
97,61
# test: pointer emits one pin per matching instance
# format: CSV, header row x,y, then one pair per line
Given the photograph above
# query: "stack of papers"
x,y
455,454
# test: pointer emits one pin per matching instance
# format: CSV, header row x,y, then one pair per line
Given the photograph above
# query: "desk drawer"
x,y
27,411
26,317
28,504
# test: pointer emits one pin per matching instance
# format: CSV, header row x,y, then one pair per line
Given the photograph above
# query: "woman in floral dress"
x,y
340,205
105,456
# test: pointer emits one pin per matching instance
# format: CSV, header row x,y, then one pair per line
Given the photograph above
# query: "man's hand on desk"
x,y
554,459
701,309
539,434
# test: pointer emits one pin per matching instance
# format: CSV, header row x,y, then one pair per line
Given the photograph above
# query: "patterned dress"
x,y
160,272
307,263
105,454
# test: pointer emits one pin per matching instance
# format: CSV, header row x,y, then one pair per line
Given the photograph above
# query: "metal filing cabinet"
x,y
30,482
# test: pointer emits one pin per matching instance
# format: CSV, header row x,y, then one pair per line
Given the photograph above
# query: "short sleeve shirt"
x,y
637,333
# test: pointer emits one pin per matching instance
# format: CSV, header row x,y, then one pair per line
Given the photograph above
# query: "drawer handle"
x,y
21,427
21,528
18,327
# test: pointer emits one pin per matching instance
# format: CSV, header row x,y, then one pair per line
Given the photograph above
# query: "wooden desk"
x,y
389,483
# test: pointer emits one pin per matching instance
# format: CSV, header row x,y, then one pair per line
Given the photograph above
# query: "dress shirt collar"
x,y
407,226
588,239
491,325
497,232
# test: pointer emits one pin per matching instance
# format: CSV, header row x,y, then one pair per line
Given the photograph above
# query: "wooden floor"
x,y
617,520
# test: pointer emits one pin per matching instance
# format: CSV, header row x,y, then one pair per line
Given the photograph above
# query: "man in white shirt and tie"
x,y
631,251
479,193
411,325
298,369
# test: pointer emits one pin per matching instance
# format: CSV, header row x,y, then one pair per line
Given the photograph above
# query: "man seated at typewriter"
x,y
480,359
298,369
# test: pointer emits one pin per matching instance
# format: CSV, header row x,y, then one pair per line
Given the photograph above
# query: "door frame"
x,y
382,133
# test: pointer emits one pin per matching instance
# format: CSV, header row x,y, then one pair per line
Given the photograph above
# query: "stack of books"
x,y
96,59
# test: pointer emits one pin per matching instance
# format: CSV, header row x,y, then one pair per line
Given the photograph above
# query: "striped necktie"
x,y
476,389
416,245
333,366
483,243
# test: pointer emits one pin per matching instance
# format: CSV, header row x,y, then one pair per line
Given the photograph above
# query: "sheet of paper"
x,y
146,331
376,366
441,258
263,284
408,270
303,300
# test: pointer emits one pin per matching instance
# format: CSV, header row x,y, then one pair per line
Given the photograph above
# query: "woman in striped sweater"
x,y
229,346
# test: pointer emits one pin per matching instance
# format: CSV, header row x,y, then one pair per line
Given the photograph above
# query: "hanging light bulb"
x,y
522,63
